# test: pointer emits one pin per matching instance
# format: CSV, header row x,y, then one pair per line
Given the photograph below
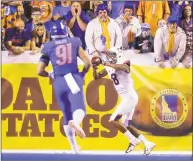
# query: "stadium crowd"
x,y
162,27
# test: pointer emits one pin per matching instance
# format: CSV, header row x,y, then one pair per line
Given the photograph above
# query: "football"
x,y
96,60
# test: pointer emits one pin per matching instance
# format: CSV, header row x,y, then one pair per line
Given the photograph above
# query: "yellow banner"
x,y
31,118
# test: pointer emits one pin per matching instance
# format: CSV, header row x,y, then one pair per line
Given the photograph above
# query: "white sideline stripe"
x,y
97,152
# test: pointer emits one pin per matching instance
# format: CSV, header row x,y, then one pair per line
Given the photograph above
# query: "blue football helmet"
x,y
58,30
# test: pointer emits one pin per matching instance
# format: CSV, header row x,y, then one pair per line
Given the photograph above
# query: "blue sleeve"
x,y
176,10
9,35
79,42
27,27
68,17
48,25
84,17
45,53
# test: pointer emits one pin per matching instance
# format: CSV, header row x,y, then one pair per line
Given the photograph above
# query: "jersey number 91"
x,y
64,54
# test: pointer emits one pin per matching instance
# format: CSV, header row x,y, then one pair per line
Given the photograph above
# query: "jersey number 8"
x,y
64,53
114,78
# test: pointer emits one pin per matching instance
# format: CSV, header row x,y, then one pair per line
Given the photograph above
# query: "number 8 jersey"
x,y
121,79
63,55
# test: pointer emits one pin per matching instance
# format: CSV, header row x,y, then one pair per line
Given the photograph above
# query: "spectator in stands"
x,y
3,26
95,5
151,11
116,8
39,36
102,33
17,39
170,43
46,8
11,10
3,48
145,41
77,21
27,9
187,25
20,13
85,5
176,9
61,9
92,11
129,25
35,19
161,23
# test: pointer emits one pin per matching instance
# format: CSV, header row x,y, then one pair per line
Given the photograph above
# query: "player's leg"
x,y
78,107
148,144
78,112
128,103
70,134
127,122
120,126
134,132
116,116
64,105
68,129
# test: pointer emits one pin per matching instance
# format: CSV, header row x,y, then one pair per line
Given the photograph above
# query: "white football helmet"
x,y
114,55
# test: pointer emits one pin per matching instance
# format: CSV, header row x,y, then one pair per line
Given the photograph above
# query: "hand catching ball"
x,y
96,61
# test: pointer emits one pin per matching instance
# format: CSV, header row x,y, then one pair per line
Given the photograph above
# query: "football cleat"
x,y
149,147
132,145
76,149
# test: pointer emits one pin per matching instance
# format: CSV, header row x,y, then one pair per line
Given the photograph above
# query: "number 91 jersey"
x,y
63,55
122,80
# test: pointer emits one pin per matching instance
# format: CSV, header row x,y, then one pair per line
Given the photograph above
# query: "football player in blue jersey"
x,y
63,52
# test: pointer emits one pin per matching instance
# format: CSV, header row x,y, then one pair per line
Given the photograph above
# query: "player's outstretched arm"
x,y
84,57
124,67
41,69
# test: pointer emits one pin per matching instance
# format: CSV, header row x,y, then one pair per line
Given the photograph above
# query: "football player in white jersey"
x,y
119,72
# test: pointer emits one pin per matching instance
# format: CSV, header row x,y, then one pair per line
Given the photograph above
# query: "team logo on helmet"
x,y
58,30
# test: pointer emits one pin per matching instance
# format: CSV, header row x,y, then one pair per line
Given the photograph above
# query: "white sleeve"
x,y
138,27
89,37
118,20
181,48
158,45
118,36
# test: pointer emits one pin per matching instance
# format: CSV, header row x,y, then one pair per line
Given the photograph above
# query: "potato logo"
x,y
166,113
165,106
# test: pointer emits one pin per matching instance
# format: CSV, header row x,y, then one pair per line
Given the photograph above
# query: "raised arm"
x,y
41,69
124,67
84,57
